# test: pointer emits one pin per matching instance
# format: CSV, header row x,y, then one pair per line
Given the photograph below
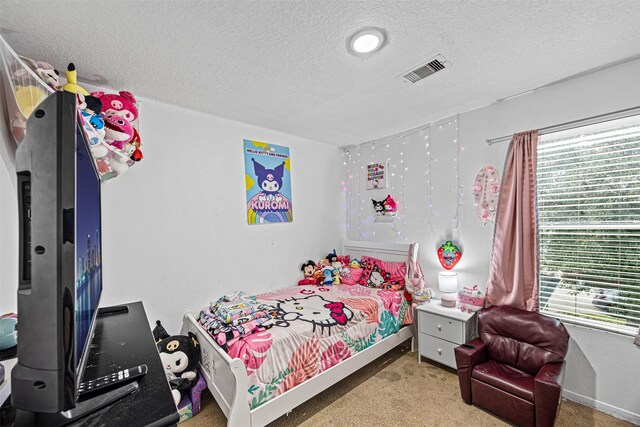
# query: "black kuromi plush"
x,y
269,180
179,355
378,206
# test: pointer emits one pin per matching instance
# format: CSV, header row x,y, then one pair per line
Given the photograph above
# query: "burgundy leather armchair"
x,y
516,366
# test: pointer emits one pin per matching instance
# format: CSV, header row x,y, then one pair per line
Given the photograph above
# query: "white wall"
x,y
175,231
601,367
9,241
8,216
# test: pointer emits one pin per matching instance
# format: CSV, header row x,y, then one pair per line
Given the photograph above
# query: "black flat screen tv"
x,y
60,270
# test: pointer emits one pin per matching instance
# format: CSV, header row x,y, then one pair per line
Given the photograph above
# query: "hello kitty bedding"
x,y
317,327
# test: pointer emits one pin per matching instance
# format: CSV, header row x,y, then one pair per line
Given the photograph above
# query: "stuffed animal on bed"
x,y
311,273
331,268
327,275
179,355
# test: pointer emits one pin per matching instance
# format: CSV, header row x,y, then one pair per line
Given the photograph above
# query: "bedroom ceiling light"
x,y
366,41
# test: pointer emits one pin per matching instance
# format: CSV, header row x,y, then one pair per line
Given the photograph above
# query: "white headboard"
x,y
384,251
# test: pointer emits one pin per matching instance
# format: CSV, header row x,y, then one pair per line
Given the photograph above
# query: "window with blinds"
x,y
589,224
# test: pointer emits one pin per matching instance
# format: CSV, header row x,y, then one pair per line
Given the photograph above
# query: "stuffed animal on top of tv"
x,y
179,355
72,81
109,120
45,71
117,143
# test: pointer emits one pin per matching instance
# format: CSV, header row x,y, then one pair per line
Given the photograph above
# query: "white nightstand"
x,y
441,329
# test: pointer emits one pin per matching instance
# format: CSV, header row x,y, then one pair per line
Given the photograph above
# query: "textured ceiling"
x,y
284,64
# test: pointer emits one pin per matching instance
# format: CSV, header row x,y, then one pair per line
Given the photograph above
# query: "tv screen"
x,y
88,248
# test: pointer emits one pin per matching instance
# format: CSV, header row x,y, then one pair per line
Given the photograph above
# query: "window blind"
x,y
588,181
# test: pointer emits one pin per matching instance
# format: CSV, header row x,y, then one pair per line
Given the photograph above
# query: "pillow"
x,y
351,276
382,274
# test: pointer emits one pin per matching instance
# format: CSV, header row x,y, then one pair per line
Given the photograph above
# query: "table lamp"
x,y
448,285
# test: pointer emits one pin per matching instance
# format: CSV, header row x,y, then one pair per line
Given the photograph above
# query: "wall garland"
x,y
400,230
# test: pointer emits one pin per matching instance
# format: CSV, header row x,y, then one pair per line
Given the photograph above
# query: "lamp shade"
x,y
448,282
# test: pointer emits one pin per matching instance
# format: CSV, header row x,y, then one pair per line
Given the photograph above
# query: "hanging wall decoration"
x,y
268,182
449,255
376,176
486,190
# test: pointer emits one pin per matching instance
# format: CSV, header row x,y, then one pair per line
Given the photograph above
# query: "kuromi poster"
x,y
268,182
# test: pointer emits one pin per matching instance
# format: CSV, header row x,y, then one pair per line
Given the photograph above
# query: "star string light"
x,y
371,218
347,184
456,218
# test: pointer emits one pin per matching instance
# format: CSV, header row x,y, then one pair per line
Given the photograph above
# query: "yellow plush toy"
x,y
28,98
72,81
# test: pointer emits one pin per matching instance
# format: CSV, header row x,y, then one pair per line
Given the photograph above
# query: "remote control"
x,y
115,379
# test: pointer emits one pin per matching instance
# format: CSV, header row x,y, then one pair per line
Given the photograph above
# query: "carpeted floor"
x,y
395,390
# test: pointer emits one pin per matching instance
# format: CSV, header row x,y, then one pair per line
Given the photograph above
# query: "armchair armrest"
x,y
547,392
467,356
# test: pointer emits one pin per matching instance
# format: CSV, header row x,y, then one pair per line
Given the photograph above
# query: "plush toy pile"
x,y
109,120
368,271
328,271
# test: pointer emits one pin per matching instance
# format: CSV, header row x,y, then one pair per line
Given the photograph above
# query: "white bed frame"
x,y
227,378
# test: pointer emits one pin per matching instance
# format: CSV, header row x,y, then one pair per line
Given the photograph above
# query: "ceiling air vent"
x,y
438,63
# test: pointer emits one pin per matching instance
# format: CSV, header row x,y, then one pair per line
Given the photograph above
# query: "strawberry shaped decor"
x,y
449,255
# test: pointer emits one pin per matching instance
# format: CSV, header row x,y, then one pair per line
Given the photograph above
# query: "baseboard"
x,y
623,414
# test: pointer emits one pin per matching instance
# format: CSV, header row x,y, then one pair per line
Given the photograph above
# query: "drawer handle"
x,y
439,328
440,351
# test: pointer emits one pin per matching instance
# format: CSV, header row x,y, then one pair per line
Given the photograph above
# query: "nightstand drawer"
x,y
441,327
439,350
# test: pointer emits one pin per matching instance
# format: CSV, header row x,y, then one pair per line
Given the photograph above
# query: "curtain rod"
x,y
620,114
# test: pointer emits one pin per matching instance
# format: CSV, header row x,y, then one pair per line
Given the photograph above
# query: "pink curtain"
x,y
513,276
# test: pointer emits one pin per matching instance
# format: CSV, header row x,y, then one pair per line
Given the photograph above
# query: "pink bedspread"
x,y
318,327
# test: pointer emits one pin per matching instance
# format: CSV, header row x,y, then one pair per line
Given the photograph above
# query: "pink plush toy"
x,y
390,206
118,131
123,104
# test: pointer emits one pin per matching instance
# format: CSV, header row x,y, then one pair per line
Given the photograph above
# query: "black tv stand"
x,y
121,340
82,409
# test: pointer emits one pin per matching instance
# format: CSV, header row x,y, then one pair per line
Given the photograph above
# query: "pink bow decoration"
x,y
337,312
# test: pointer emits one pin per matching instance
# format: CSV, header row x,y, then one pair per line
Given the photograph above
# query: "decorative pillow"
x,y
382,274
351,276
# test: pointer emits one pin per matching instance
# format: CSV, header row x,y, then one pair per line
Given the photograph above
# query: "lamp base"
x,y
448,300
